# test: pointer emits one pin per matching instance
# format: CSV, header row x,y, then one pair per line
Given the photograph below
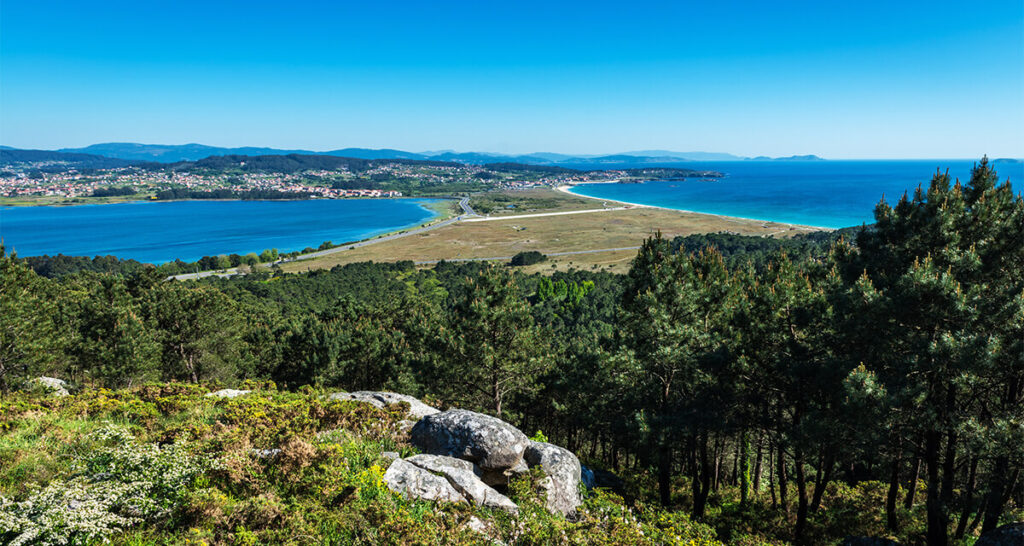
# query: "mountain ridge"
x,y
171,153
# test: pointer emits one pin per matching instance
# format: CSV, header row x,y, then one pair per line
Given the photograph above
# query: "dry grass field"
x,y
502,238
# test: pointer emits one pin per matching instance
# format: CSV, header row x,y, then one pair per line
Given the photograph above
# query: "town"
x,y
49,182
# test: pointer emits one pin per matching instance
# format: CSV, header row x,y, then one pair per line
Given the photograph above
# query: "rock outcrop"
x,y
412,481
228,393
1011,534
563,475
473,454
491,443
379,399
464,477
56,387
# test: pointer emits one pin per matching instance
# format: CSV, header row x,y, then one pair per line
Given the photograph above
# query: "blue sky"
x,y
838,79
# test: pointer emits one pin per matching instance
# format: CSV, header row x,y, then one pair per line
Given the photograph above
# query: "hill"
x,y
50,160
294,163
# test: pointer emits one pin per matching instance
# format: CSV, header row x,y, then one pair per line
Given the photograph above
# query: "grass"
x,y
529,201
550,234
36,200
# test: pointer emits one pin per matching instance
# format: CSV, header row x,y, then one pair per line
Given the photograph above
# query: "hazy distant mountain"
x,y
547,156
367,153
170,153
688,156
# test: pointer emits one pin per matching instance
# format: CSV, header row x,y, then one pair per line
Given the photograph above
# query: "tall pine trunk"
x,y
744,470
994,501
757,467
894,488
701,477
780,461
828,464
665,472
915,473
801,489
968,500
938,520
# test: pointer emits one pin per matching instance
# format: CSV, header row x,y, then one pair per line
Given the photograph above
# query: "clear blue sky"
x,y
868,79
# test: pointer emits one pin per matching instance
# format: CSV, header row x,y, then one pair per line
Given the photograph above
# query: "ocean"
x,y
831,194
158,232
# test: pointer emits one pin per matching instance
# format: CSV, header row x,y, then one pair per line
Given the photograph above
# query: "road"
x,y
467,212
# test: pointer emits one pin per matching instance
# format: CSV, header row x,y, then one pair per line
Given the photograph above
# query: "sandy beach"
x,y
567,188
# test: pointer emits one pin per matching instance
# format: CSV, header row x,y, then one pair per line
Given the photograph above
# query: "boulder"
x,y
379,399
464,477
487,441
227,393
1011,534
563,475
412,482
352,396
56,387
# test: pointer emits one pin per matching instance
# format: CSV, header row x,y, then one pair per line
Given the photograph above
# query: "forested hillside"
x,y
865,384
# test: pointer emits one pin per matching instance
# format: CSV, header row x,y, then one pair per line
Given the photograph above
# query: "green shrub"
x,y
528,258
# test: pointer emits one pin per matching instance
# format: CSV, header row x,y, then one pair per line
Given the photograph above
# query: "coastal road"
x,y
467,212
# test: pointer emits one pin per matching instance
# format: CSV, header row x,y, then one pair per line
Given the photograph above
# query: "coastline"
x,y
804,227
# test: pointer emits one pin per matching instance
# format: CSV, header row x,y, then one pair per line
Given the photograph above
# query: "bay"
x,y
831,194
158,232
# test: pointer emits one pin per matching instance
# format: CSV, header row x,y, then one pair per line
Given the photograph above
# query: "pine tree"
x,y
491,346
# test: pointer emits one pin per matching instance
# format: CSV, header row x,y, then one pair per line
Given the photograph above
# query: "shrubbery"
x,y
184,468
528,258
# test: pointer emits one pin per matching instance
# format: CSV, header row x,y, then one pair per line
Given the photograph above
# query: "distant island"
x,y
789,158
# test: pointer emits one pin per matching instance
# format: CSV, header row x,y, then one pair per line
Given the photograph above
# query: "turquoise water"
x,y
157,232
829,194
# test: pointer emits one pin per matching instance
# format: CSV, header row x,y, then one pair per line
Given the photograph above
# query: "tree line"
x,y
744,380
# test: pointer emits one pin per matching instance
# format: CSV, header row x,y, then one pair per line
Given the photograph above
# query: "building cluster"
x,y
71,183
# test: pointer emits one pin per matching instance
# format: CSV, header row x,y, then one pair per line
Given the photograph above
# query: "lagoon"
x,y
158,232
831,194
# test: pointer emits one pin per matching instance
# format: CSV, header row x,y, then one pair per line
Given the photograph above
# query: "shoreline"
x,y
805,227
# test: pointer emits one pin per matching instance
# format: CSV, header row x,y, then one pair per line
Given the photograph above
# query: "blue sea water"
x,y
830,194
157,232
